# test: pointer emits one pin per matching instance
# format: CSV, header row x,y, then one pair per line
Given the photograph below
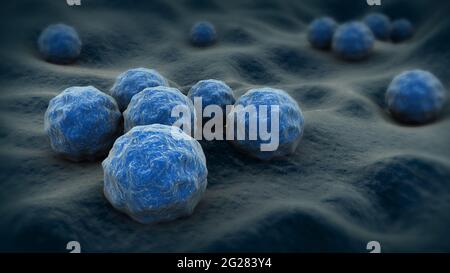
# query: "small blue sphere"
x,y
290,122
212,92
155,173
415,97
402,30
320,32
82,123
59,43
353,41
380,25
133,81
203,34
155,105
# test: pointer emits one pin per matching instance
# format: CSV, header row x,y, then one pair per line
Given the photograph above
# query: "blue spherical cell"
x,y
82,123
380,25
203,34
320,32
133,81
402,30
155,173
353,41
290,122
212,92
59,43
415,96
155,105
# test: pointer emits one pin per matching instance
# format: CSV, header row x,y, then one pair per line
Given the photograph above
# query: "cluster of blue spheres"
x,y
355,40
133,81
415,97
155,173
59,43
82,123
290,122
155,105
203,34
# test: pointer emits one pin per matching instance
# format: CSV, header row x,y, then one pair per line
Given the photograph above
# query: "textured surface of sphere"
x,y
353,41
203,34
155,105
59,43
380,25
155,173
82,123
290,122
415,96
212,92
134,81
402,30
320,32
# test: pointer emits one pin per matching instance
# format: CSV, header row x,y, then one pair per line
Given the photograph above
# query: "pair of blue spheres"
x,y
59,43
155,105
82,123
290,122
133,81
203,34
415,97
155,173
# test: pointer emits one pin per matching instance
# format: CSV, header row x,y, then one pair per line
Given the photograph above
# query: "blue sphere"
x,y
380,25
402,30
82,123
133,81
212,92
203,34
154,105
59,43
155,173
415,96
290,122
320,32
353,41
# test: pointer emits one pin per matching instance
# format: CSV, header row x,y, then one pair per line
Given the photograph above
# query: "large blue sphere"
x,y
59,43
203,34
380,25
134,81
415,96
212,92
82,123
320,32
353,41
155,105
291,122
155,173
402,30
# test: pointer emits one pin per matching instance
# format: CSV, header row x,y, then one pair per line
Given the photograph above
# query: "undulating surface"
x,y
357,175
